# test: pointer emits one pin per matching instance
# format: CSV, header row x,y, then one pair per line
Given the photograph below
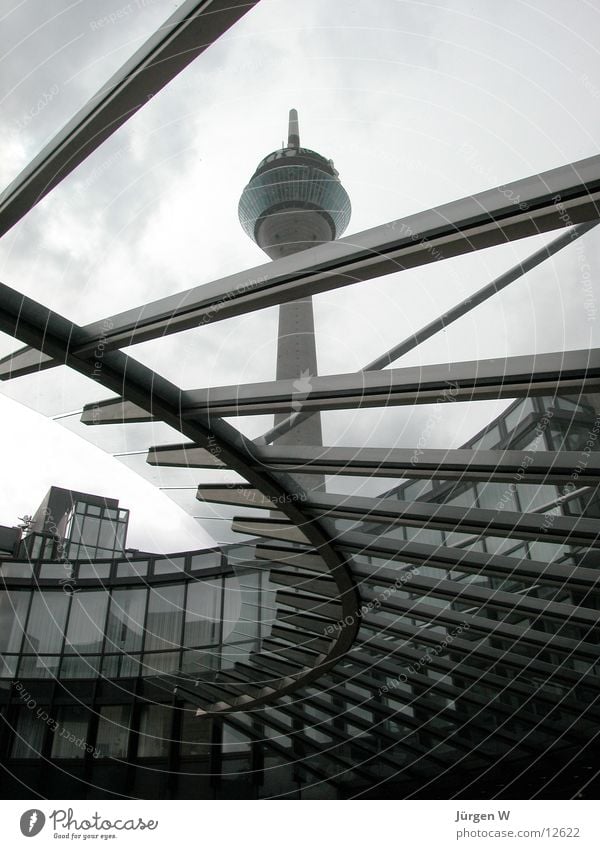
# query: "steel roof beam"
x,y
193,27
502,377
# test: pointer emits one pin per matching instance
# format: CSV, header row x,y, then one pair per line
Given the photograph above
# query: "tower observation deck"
x,y
294,201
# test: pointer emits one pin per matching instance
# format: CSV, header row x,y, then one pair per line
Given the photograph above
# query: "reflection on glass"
x,y
46,623
113,731
203,612
29,734
13,610
125,628
69,740
165,613
155,731
86,622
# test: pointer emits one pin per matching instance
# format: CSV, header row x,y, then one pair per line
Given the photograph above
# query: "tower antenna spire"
x,y
293,130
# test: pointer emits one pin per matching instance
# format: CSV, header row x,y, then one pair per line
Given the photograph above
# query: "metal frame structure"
x,y
318,563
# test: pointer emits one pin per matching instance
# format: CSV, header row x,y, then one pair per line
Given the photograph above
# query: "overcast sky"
x,y
417,103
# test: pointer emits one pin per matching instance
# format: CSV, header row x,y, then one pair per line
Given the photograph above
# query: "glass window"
x,y
196,733
113,731
203,561
39,666
496,496
165,613
199,662
155,731
13,611
69,740
125,628
8,665
16,570
169,565
89,534
160,662
203,613
46,623
107,536
80,667
94,570
29,733
232,606
532,496
86,622
132,569
58,571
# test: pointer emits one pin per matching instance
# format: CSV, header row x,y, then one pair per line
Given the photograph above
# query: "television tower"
x,y
294,201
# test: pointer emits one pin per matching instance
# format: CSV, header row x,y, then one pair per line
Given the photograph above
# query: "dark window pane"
x,y
29,733
69,739
195,734
160,662
155,731
113,731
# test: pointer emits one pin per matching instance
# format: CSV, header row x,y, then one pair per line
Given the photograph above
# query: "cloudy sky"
x,y
417,103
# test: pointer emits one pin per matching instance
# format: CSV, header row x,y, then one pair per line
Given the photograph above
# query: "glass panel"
x,y
69,739
210,559
165,567
161,662
29,733
196,734
155,731
165,611
94,570
16,570
86,622
80,667
13,611
131,568
200,662
39,666
203,613
47,618
113,731
56,571
232,606
125,628
107,536
8,665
